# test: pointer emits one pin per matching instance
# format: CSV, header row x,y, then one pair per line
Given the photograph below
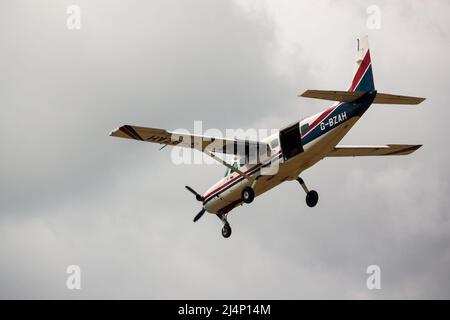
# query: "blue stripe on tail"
x,y
367,83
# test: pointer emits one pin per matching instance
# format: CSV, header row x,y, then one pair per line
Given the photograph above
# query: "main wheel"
x,y
312,197
226,230
248,195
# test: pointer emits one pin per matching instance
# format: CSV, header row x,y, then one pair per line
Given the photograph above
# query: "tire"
x,y
312,197
226,231
248,195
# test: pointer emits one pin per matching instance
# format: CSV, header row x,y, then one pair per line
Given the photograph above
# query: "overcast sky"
x,y
70,194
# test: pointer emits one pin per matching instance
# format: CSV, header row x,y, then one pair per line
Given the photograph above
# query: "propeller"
x,y
197,196
199,215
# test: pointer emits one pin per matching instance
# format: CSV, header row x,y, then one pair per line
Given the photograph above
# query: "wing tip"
x,y
125,131
413,149
116,132
417,100
420,99
113,132
406,150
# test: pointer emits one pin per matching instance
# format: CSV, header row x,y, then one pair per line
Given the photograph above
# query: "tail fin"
x,y
362,83
362,74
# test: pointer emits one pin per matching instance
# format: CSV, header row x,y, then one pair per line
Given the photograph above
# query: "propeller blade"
x,y
199,215
197,196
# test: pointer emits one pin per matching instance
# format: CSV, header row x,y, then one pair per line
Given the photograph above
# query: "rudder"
x,y
362,74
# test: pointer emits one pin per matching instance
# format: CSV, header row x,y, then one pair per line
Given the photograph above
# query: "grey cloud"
x,y
70,194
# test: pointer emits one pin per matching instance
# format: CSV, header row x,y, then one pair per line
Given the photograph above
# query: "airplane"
x,y
295,148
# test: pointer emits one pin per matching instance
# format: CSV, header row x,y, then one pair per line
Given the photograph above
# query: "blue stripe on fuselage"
x,y
343,113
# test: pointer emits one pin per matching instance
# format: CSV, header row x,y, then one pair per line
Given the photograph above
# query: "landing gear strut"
x,y
312,197
226,229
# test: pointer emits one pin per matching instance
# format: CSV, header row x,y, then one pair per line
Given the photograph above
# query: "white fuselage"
x,y
223,196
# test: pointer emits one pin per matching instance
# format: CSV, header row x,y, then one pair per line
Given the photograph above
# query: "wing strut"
x,y
229,166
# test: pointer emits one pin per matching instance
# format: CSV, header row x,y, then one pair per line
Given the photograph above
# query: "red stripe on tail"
x,y
361,71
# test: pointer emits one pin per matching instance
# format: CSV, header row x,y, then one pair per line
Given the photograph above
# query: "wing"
x,y
365,151
201,143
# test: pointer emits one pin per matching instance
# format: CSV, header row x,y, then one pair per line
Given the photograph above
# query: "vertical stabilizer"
x,y
362,73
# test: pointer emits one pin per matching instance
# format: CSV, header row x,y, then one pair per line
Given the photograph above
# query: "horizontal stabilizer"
x,y
366,151
345,96
384,98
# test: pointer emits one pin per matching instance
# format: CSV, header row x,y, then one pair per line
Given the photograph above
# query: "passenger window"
x,y
274,143
305,128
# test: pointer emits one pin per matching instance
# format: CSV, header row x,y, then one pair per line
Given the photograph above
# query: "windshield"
x,y
235,165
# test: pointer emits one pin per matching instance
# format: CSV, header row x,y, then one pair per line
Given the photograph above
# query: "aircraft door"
x,y
291,141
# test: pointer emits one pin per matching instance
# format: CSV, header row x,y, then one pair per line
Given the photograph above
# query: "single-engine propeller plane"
x,y
294,148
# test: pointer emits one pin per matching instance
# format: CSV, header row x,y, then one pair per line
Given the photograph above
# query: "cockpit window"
x,y
305,128
235,165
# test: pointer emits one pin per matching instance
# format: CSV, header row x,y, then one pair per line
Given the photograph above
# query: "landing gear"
x,y
226,229
248,195
312,197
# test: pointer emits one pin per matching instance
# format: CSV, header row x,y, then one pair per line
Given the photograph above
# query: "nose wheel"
x,y
226,229
312,197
